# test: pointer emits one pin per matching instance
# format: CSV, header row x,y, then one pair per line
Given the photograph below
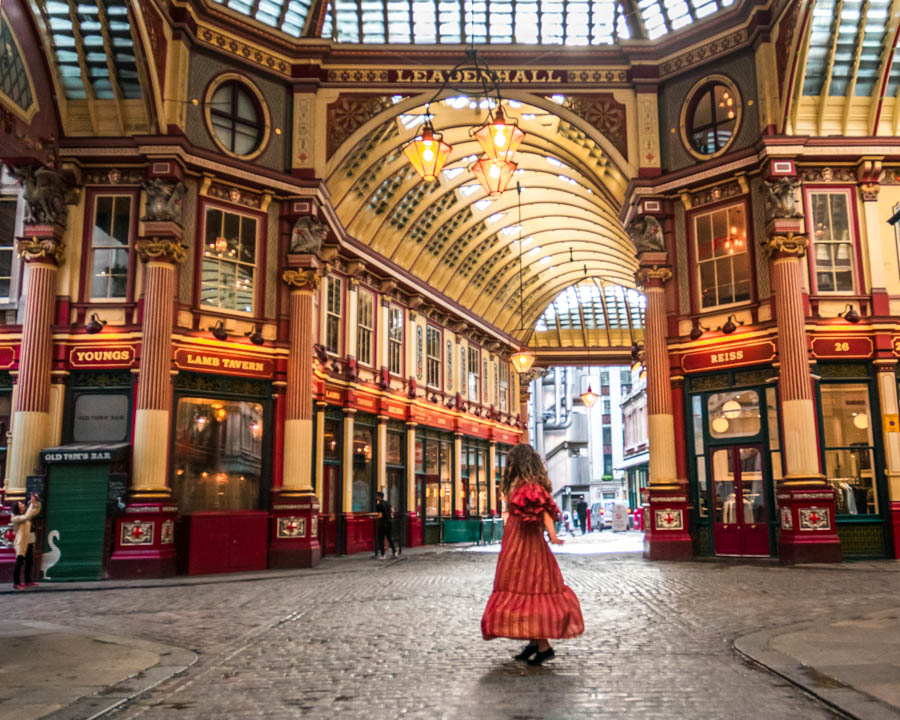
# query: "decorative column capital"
x,y
42,244
301,279
164,201
47,194
646,234
869,191
653,275
161,248
786,245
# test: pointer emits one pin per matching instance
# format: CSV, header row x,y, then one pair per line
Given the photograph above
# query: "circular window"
x,y
710,117
237,116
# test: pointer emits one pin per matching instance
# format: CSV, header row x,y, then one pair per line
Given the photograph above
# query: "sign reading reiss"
x,y
729,356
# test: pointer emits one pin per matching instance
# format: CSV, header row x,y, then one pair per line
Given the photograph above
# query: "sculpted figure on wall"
x,y
781,197
307,236
646,234
46,194
164,201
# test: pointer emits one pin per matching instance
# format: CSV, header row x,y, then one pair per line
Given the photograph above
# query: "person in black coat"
x,y
383,526
581,508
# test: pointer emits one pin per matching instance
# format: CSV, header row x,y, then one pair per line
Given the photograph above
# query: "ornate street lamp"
x,y
428,152
523,359
589,397
493,175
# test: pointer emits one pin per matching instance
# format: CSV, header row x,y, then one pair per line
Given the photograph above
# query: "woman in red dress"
x,y
530,599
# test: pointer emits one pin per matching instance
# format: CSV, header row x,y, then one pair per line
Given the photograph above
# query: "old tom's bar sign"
x,y
222,363
101,356
728,356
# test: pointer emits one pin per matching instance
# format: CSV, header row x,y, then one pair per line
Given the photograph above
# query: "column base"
x,y
414,530
359,532
143,541
667,535
294,530
808,533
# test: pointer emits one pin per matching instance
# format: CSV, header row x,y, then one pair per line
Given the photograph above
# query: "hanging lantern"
x,y
589,398
522,360
499,138
493,175
428,152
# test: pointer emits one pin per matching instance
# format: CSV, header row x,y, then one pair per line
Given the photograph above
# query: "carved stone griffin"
x,y
646,234
46,194
781,197
163,201
308,235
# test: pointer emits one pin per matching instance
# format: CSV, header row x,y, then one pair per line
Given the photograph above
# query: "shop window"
x,y
473,374
218,451
7,245
363,444
365,327
101,417
710,117
109,246
504,387
433,355
332,440
849,447
229,261
733,414
333,305
700,456
723,259
395,341
832,245
237,117
395,470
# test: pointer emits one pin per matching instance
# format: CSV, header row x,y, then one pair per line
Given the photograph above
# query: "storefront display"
x,y
434,480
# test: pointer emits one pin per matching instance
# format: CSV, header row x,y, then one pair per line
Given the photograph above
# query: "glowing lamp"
x,y
861,421
720,425
732,409
589,398
522,360
221,244
427,152
493,175
499,138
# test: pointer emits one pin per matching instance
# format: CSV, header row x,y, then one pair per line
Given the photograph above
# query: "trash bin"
x,y
82,487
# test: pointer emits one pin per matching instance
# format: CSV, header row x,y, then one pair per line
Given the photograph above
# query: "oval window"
x,y
236,118
712,117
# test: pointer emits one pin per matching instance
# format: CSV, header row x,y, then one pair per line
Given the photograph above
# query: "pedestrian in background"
x,y
383,526
530,600
582,508
24,540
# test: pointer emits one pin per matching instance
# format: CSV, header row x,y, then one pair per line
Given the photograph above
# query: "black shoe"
x,y
529,650
540,657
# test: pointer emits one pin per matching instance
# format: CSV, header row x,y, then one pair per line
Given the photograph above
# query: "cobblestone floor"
x,y
357,638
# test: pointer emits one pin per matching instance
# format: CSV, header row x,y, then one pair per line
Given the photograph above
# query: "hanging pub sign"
x,y
101,356
728,356
223,363
842,346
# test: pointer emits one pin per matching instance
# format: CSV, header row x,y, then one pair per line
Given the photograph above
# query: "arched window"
x,y
236,118
712,117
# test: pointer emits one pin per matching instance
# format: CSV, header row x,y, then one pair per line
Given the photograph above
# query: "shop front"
x,y
221,470
434,481
331,491
359,529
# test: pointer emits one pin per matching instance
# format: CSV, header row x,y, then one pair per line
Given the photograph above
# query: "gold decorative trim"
x,y
33,249
301,279
263,106
242,50
789,245
160,248
704,53
646,275
689,98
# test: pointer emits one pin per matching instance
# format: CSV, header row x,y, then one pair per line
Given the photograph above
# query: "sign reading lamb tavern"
x,y
97,356
222,363
728,356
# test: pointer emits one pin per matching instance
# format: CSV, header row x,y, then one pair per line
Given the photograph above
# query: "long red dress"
x,y
530,599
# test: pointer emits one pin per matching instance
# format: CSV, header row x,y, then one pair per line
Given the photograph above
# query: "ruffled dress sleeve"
x,y
529,502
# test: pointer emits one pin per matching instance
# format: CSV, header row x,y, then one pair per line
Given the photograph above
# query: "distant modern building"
x,y
636,460
583,447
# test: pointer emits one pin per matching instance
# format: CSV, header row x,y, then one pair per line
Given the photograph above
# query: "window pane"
x,y
229,261
845,415
100,417
362,470
733,414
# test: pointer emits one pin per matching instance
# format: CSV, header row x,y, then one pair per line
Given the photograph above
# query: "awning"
x,y
634,460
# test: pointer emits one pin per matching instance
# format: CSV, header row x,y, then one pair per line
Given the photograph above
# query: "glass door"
x,y
740,525
331,499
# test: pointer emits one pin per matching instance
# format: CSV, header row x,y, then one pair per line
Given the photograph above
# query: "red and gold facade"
x,y
288,322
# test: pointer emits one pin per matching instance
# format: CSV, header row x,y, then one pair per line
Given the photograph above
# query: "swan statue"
x,y
49,559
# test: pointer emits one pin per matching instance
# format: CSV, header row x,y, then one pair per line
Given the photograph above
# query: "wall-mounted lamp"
x,y
729,326
849,314
94,325
697,329
255,335
218,330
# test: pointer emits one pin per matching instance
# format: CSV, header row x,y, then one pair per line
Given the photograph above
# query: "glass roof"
x,y
834,41
528,22
286,15
592,305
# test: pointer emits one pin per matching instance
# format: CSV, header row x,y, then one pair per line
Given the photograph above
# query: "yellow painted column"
x,y
381,453
492,483
411,498
458,500
320,452
347,463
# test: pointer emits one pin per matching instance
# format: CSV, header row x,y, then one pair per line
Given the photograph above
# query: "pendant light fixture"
x,y
493,175
523,359
589,397
427,152
499,137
